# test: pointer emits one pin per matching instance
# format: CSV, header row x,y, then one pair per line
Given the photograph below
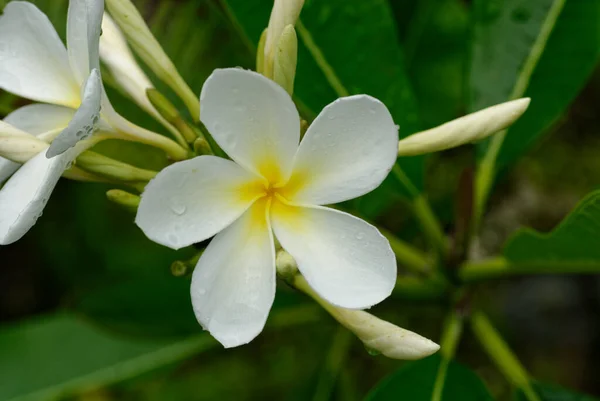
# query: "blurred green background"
x,y
90,310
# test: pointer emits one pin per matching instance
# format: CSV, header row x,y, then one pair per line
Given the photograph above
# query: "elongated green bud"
x,y
113,169
201,147
147,47
260,53
286,58
124,199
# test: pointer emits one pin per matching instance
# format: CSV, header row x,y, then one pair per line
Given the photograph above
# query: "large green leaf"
x,y
550,392
574,242
345,47
59,355
544,49
415,382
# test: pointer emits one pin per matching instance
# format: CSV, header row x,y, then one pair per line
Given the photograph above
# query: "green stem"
x,y
502,355
430,224
425,216
500,267
338,351
451,334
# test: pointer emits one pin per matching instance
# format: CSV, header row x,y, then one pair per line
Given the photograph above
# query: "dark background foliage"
x,y
90,310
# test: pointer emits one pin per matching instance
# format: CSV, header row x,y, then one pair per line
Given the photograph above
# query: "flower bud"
x,y
377,335
284,13
384,337
123,67
113,169
18,146
467,129
147,47
125,199
286,57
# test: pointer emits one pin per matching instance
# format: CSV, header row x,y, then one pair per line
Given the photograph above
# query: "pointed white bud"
x,y
133,26
470,128
18,146
284,13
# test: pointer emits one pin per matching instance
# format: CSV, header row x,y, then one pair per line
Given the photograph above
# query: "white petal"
x,y
24,196
42,120
348,151
193,200
253,119
344,259
33,60
470,128
7,168
233,285
83,36
85,119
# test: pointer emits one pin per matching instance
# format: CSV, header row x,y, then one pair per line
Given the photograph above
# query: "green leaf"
x,y
161,307
436,57
574,242
146,307
345,47
415,382
60,355
551,392
543,49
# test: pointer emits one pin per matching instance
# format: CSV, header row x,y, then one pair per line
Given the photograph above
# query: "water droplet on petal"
x,y
360,235
178,208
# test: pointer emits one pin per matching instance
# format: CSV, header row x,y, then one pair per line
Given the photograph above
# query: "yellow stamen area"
x,y
272,196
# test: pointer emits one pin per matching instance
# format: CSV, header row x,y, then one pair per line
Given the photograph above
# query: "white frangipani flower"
x,y
275,187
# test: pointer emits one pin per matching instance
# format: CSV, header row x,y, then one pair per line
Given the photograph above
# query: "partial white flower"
x,y
25,194
470,128
275,187
36,65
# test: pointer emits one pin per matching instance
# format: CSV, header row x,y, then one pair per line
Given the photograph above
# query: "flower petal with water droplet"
x,y
83,124
34,62
24,196
343,258
193,200
347,151
233,286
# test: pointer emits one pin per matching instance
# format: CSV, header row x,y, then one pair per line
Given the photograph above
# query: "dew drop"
x,y
360,235
331,117
178,208
372,110
173,239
